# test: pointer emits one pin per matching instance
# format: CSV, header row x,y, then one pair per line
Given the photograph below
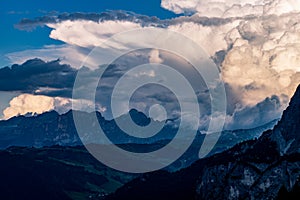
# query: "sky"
x,y
254,44
13,11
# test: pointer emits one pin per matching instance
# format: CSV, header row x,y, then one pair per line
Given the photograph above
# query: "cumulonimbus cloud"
x,y
256,48
231,8
264,58
36,73
255,42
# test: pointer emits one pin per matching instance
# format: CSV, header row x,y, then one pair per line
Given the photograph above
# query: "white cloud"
x,y
231,8
210,38
154,56
264,59
37,104
26,103
89,34
180,6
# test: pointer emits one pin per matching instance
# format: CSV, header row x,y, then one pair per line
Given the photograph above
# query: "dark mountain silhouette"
x,y
264,168
50,129
68,171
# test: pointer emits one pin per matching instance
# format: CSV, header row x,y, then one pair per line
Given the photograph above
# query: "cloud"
x,y
154,56
97,28
118,16
255,43
252,116
26,103
208,33
29,24
264,58
35,74
231,8
95,33
5,98
67,54
210,38
180,6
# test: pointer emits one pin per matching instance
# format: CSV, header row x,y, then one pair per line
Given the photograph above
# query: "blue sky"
x,y
11,12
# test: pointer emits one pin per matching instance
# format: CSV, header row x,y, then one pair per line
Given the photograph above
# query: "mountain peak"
x,y
250,170
286,132
138,117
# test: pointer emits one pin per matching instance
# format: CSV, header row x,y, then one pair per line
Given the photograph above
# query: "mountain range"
x,y
43,157
50,129
263,168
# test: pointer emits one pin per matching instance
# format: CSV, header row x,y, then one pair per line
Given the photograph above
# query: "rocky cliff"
x,y
264,168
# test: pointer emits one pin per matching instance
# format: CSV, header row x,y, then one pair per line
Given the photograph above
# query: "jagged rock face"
x,y
248,180
261,169
265,168
287,132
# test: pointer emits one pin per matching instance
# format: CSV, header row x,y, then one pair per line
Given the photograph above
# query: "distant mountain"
x,y
227,140
50,128
264,168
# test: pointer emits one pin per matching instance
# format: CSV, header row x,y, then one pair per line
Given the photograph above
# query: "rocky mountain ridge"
x,y
264,168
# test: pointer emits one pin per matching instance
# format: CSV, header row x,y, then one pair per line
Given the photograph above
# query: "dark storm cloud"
x,y
29,24
52,78
115,70
34,74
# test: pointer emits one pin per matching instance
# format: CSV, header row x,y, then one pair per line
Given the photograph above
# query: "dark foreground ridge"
x,y
265,168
